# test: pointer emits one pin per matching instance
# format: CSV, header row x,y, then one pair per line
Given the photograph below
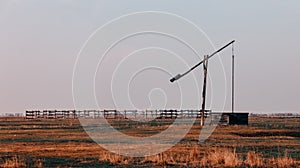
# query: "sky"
x,y
41,41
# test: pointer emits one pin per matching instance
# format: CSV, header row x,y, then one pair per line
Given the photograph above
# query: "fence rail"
x,y
221,118
114,114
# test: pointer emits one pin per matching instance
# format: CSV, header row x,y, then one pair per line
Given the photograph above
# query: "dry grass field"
x,y
266,142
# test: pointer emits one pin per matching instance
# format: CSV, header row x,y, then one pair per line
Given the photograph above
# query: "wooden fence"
x,y
114,114
238,118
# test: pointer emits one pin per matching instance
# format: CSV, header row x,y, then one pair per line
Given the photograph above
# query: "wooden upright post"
x,y
205,64
232,81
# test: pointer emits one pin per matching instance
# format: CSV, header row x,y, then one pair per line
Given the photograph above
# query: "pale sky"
x,y
40,41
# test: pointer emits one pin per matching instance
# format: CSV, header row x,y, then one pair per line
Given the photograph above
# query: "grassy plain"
x,y
266,142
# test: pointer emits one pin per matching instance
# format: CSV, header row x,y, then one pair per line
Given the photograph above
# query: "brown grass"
x,y
283,162
254,159
195,158
114,158
14,162
230,146
217,157
18,161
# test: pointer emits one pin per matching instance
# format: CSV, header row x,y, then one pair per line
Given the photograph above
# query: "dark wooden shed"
x,y
238,118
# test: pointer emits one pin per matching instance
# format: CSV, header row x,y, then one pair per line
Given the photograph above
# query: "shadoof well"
x,y
234,118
